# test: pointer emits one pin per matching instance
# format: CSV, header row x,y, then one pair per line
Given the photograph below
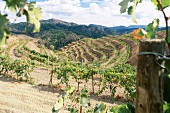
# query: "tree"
x,y
20,7
151,28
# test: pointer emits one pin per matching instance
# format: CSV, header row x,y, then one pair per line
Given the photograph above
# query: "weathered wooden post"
x,y
150,77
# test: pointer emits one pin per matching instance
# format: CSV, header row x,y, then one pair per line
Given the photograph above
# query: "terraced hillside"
x,y
106,51
26,48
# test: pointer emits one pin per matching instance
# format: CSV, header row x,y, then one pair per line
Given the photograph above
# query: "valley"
x,y
109,53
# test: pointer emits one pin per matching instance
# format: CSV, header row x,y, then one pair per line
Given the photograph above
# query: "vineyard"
x,y
107,51
106,66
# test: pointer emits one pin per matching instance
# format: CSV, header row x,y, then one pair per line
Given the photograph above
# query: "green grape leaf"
x,y
58,105
133,9
154,2
3,23
156,23
165,3
124,6
84,92
166,107
100,108
3,40
150,35
151,28
124,109
168,75
120,109
142,32
73,110
33,15
84,99
133,12
14,5
70,90
130,10
113,109
3,29
85,102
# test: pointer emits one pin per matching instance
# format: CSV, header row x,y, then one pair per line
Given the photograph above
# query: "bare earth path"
x,y
20,97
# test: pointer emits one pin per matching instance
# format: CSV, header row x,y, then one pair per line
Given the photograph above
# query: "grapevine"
x,y
16,68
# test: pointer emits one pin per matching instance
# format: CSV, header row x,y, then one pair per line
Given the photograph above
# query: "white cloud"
x,y
103,12
94,8
90,0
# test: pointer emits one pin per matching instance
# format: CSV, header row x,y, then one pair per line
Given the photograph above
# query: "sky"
x,y
100,12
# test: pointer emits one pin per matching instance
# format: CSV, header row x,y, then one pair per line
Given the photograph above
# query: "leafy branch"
x,y
166,22
151,28
21,7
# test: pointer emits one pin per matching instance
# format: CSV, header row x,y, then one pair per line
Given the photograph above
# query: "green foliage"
x,y
100,108
14,5
83,100
150,31
164,3
3,29
32,14
152,27
166,107
120,109
17,68
125,75
43,58
131,9
58,105
71,96
110,78
124,5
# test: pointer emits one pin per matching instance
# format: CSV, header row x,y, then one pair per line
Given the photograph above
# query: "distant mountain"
x,y
118,27
137,26
100,26
60,33
56,21
123,29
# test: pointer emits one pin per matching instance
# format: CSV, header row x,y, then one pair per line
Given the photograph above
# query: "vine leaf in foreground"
x,y
150,29
13,5
164,3
33,16
3,29
58,105
21,7
131,9
124,6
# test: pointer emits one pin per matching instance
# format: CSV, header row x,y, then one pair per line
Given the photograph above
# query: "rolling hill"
x,y
60,33
106,51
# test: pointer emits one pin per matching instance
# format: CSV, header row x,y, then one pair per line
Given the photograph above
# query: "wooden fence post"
x,y
149,81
